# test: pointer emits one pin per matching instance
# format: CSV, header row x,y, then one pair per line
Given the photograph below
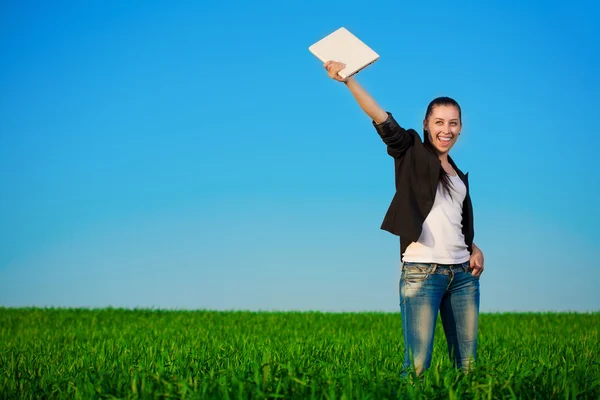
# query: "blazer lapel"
x,y
434,174
463,177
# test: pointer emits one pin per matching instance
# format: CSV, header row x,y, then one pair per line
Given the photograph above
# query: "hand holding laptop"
x,y
333,68
343,48
343,55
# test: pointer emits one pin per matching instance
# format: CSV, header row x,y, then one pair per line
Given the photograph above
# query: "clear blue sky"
x,y
195,155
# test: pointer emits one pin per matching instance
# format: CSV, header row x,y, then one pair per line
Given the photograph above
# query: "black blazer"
x,y
417,172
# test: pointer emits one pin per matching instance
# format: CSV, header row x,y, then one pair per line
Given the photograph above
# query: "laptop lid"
x,y
344,47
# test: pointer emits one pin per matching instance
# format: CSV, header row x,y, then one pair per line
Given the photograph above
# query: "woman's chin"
x,y
442,150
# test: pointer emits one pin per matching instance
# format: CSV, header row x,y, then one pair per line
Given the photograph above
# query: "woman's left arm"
x,y
476,261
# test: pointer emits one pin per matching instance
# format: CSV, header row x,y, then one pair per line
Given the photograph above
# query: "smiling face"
x,y
443,125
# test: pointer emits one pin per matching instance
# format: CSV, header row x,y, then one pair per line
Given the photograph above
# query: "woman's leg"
x,y
459,310
421,291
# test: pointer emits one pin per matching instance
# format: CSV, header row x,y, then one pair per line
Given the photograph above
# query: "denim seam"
x,y
403,316
451,274
405,324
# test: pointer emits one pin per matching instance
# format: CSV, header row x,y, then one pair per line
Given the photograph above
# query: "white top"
x,y
442,240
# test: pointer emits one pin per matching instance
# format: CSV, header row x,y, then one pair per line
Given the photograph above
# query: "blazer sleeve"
x,y
396,138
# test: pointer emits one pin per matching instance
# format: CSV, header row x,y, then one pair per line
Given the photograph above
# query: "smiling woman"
x,y
432,214
442,126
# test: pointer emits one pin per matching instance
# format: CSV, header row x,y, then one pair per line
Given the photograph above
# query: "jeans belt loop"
x,y
434,268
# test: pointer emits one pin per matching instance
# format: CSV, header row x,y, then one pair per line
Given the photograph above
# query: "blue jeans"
x,y
426,289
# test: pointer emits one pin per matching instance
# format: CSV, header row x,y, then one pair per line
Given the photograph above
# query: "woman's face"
x,y
444,127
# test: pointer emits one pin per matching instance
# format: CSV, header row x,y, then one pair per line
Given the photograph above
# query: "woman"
x,y
432,214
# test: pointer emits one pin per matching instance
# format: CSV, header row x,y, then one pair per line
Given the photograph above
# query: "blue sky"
x,y
195,155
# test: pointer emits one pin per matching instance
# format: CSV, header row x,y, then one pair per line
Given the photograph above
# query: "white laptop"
x,y
344,47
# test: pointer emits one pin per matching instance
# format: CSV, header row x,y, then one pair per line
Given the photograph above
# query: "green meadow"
x,y
133,354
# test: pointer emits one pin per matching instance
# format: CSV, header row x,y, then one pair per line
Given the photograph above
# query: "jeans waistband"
x,y
430,268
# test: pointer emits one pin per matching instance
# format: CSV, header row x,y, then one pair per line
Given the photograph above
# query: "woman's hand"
x,y
333,68
476,261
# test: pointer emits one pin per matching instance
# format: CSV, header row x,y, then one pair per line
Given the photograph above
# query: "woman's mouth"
x,y
444,140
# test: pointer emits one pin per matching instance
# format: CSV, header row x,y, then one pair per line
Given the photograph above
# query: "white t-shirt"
x,y
442,240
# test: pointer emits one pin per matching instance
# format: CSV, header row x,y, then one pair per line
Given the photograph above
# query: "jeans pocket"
x,y
470,272
415,273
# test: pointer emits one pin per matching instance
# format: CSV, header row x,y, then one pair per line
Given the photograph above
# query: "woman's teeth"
x,y
445,139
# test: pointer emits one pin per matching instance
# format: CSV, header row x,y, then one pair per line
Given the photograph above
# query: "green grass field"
x,y
114,353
